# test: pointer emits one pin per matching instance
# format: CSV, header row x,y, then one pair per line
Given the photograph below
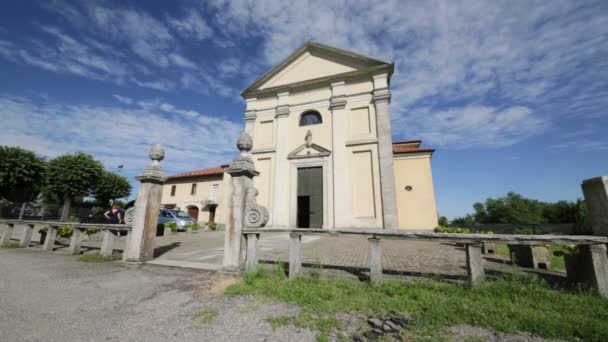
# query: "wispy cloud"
x,y
118,134
451,57
192,26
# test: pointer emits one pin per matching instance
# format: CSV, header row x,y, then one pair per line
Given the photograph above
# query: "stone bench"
x,y
107,244
594,247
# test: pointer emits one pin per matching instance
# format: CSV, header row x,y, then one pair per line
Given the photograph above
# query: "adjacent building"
x,y
322,141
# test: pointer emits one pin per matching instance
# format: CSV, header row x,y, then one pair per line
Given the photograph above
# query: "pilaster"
x,y
341,174
280,214
381,99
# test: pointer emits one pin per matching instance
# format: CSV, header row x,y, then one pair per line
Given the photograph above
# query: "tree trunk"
x,y
65,212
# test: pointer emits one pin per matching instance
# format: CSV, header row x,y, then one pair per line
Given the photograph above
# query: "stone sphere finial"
x,y
157,153
244,143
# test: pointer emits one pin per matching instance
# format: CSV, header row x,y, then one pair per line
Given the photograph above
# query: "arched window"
x,y
310,118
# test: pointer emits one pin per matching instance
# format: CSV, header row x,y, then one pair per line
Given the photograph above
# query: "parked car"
x,y
174,215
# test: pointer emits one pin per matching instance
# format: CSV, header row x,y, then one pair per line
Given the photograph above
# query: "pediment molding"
x,y
311,150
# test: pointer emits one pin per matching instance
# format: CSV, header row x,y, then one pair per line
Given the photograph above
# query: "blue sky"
x,y
512,94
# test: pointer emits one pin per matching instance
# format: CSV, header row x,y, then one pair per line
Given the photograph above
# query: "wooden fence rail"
x,y
592,247
107,245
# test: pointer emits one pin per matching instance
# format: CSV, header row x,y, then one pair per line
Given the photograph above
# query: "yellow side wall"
x,y
416,208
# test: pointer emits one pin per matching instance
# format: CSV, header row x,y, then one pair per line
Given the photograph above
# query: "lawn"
x,y
517,303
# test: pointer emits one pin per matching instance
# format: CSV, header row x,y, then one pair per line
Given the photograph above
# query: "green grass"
x,y
99,258
10,245
207,316
517,303
557,262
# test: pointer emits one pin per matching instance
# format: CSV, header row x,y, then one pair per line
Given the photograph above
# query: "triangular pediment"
x,y
311,151
313,61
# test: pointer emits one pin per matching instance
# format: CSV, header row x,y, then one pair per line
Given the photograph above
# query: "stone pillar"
x,y
107,245
252,252
281,198
241,171
599,261
140,246
28,229
382,97
7,234
596,200
75,241
474,264
339,124
250,115
295,255
375,260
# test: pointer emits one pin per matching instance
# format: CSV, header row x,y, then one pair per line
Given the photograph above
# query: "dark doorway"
x,y
212,213
193,212
310,197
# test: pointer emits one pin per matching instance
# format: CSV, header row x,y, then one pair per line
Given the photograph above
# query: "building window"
x,y
310,118
193,189
173,190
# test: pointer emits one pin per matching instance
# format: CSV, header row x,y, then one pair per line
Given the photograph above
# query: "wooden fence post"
x,y
49,241
107,245
75,241
252,252
295,255
7,234
28,229
375,260
474,264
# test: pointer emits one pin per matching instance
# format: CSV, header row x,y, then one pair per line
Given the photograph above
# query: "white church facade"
x,y
322,142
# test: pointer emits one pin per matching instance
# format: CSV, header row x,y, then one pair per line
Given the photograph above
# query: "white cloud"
x,y
191,26
117,135
548,57
472,126
181,61
124,99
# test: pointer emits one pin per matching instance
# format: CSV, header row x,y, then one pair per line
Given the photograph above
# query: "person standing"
x,y
114,215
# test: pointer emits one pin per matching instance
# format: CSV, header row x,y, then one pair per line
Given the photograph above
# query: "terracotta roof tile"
x,y
214,171
410,146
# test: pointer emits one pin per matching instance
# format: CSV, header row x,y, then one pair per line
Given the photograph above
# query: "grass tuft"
x,y
208,315
10,245
99,258
519,302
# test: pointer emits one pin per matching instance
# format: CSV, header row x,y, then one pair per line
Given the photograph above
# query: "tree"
x,y
110,187
443,221
21,174
72,176
467,221
513,208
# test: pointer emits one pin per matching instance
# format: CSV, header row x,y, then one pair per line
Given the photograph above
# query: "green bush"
x,y
212,225
65,231
91,231
192,226
172,225
44,230
442,229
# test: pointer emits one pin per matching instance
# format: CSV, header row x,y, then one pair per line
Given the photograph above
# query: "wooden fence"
x,y
107,245
594,247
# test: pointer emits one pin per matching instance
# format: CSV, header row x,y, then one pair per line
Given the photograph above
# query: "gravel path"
x,y
51,297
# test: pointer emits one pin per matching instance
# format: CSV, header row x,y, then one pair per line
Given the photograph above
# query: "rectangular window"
x,y
173,190
193,189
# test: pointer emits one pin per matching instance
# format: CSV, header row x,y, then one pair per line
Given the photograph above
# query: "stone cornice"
x,y
250,115
282,111
337,102
264,150
381,95
327,80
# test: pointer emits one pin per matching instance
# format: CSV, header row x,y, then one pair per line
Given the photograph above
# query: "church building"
x,y
322,142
